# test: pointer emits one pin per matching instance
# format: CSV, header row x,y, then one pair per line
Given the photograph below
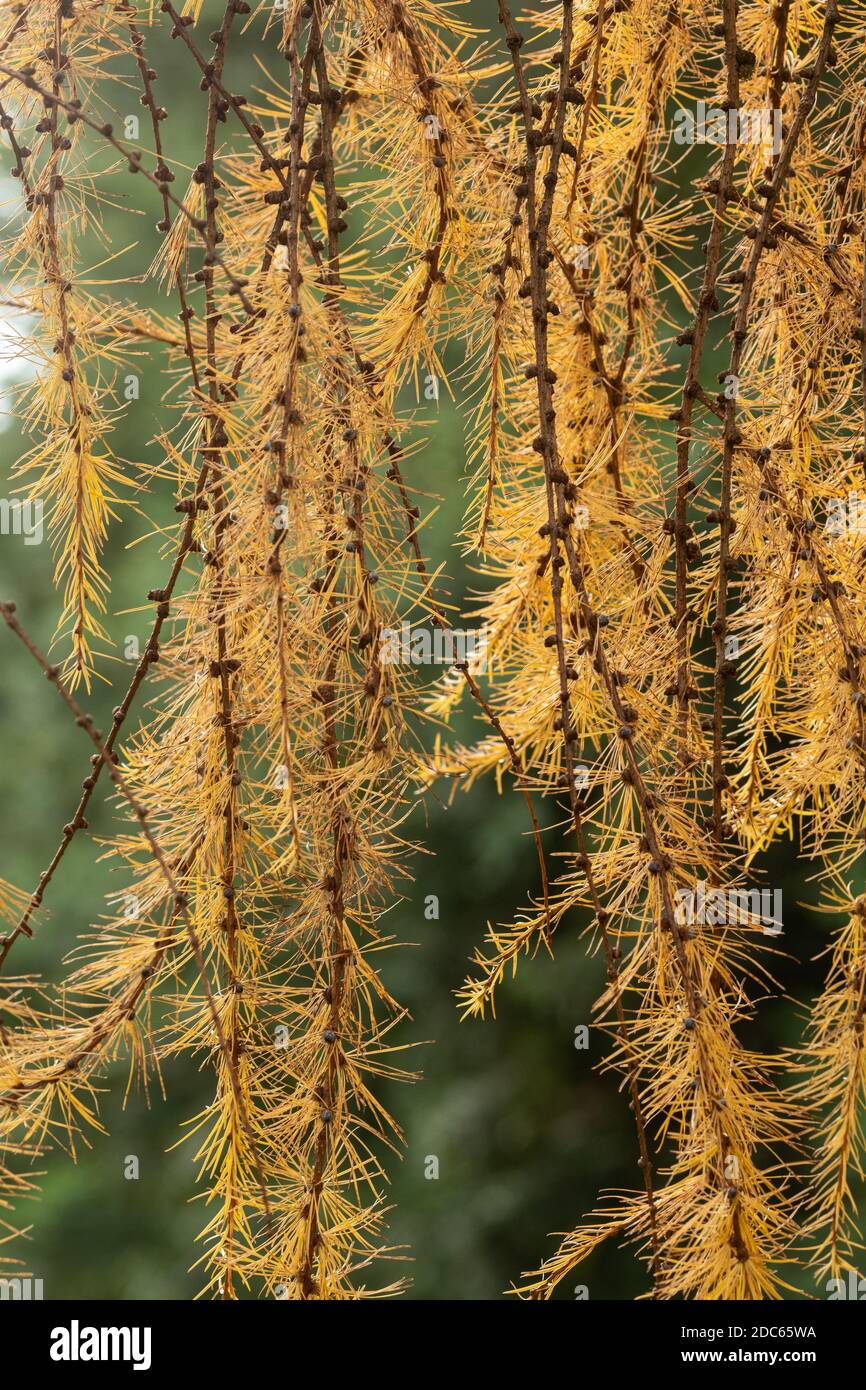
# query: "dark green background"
x,y
525,1132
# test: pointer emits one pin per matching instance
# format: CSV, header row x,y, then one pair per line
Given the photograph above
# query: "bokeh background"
x,y
526,1133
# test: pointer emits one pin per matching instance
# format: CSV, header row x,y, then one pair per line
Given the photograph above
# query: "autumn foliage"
x,y
672,590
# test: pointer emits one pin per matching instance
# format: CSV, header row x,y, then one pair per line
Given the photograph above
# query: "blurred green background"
x,y
525,1132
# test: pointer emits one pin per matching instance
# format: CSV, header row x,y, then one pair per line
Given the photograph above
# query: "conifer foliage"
x,y
673,591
